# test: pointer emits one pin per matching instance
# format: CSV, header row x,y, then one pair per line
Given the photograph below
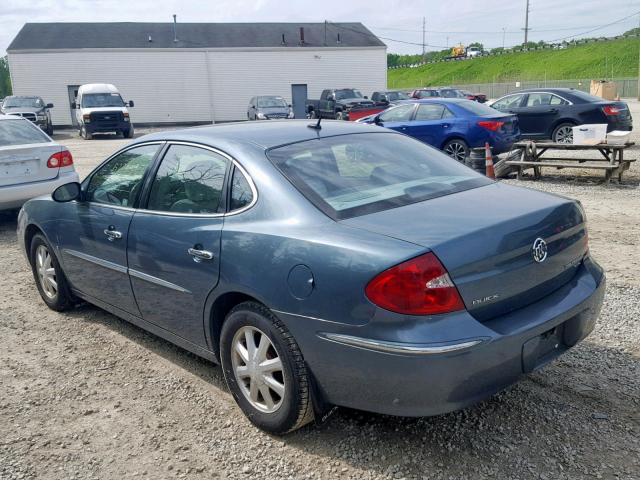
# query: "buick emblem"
x,y
539,250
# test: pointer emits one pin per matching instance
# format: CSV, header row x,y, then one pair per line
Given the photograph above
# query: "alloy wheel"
x,y
456,150
564,135
46,272
258,369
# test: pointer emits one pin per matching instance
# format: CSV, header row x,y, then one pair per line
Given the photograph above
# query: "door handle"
x,y
445,125
200,255
112,234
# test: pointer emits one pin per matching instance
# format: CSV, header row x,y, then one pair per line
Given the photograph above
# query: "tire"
x,y
128,133
84,134
340,115
501,168
52,284
457,149
312,114
49,130
288,405
563,133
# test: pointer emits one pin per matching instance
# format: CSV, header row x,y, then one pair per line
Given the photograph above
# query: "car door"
x,y
93,232
174,241
539,113
397,118
431,123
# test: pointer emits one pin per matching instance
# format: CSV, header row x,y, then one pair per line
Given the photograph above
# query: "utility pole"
x,y
526,26
424,24
638,92
503,32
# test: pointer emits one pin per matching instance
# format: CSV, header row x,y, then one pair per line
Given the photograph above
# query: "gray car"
x,y
30,107
31,164
268,107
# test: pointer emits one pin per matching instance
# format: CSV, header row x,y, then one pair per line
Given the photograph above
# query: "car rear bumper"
x,y
14,196
421,372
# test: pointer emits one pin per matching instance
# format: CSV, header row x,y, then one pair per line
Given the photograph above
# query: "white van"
x,y
99,108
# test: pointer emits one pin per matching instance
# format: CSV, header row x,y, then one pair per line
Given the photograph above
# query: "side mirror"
x,y
377,120
67,192
131,104
74,105
332,98
367,98
290,106
49,105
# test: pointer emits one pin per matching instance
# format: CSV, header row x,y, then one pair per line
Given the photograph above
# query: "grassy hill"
x,y
613,58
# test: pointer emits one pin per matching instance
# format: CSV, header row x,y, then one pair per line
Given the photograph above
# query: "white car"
x,y
473,52
31,164
99,108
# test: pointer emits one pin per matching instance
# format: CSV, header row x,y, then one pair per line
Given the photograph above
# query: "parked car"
x,y
32,108
478,97
99,108
337,103
551,113
346,265
31,164
388,96
268,107
452,125
421,93
473,52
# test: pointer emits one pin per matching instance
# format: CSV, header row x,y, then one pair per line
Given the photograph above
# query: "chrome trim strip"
x,y
96,260
305,316
398,348
157,281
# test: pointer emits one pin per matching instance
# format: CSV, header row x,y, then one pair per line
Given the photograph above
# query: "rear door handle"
x,y
445,125
112,234
200,255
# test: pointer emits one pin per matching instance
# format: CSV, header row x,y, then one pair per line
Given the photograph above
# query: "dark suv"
x,y
30,107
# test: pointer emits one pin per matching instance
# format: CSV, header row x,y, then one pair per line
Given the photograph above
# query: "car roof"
x,y
98,88
437,100
265,134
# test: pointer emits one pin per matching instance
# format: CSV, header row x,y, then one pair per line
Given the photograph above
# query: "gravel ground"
x,y
85,395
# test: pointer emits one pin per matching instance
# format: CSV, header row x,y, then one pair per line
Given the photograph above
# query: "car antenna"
x,y
316,126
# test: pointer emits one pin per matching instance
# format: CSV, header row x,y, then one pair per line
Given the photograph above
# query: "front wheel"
x,y
340,115
49,130
563,133
128,133
456,149
312,114
265,370
49,277
84,134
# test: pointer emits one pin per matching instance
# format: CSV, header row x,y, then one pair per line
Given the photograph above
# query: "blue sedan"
x,y
452,125
342,265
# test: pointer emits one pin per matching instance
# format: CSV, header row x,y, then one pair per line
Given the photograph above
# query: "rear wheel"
x,y
312,114
456,149
265,370
340,115
563,133
49,277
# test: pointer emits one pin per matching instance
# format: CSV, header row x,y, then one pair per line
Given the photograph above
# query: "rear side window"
x,y
351,175
189,180
476,108
20,132
241,194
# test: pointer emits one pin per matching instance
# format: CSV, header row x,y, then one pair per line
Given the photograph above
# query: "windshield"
x,y
352,175
275,102
30,102
94,100
20,132
347,93
391,96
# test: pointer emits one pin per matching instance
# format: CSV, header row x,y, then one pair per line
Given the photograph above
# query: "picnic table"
x,y
611,161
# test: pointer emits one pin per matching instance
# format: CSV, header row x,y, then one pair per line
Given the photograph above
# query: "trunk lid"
x,y
485,238
27,163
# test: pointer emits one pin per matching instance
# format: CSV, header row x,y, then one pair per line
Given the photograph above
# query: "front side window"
x,y
351,175
512,101
401,113
189,180
20,132
241,194
96,100
119,181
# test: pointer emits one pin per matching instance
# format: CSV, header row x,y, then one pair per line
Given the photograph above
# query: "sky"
x,y
447,23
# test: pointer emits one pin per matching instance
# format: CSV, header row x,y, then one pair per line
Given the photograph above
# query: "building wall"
x,y
194,86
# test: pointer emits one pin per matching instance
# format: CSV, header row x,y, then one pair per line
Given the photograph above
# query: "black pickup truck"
x,y
336,103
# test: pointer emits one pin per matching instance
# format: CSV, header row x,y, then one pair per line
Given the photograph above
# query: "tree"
x,y
5,79
476,44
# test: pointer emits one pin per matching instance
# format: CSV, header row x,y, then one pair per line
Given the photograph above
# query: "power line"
x,y
597,28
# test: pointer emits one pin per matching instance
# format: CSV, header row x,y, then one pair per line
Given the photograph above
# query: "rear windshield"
x,y
479,109
20,132
351,175
585,97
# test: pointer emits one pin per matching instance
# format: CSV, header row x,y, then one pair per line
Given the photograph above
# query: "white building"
x,y
194,72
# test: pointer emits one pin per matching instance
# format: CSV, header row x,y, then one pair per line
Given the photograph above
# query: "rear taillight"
x,y
420,286
60,159
491,125
611,110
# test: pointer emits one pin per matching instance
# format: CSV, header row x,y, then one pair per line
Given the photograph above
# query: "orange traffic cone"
x,y
490,172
